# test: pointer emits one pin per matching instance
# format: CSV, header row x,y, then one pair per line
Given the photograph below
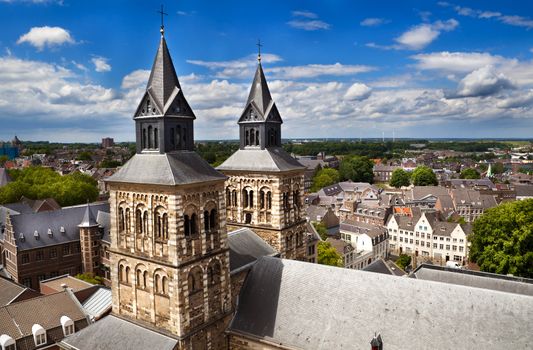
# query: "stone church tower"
x,y
169,251
264,190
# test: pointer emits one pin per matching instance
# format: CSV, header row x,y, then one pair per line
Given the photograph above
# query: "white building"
x,y
369,242
427,237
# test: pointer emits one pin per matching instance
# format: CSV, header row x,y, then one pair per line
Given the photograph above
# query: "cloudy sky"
x,y
75,70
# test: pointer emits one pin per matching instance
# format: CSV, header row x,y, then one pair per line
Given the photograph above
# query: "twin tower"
x,y
171,210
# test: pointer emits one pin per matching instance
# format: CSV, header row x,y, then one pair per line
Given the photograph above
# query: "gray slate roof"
x,y
245,247
272,159
98,303
68,218
259,93
113,333
174,168
380,266
311,306
475,279
524,190
88,219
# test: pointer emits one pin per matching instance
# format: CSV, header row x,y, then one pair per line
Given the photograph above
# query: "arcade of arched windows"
x,y
251,136
157,282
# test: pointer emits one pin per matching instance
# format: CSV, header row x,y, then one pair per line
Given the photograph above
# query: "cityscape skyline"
x,y
437,70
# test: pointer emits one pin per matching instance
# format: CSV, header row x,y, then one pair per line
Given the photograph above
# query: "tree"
x,y
424,176
502,239
321,229
327,255
3,160
403,261
357,169
469,173
90,278
85,156
325,177
497,168
400,178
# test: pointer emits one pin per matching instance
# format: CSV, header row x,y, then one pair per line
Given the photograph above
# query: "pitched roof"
x,y
477,279
381,266
524,190
98,303
88,218
67,218
421,192
173,168
311,306
113,332
272,159
259,94
360,227
18,318
10,290
245,247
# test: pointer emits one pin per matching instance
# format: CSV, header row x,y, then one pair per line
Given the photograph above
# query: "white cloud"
x,y
307,20
135,79
455,61
422,35
101,64
483,82
316,70
514,20
357,92
306,14
80,66
373,22
41,37
518,21
241,68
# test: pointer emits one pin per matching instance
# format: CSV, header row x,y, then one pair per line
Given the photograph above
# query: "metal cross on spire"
x,y
162,13
259,50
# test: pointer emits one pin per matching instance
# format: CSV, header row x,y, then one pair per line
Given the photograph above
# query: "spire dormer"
x,y
164,119
260,122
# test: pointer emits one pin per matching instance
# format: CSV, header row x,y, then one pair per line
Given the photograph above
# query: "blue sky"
x,y
75,70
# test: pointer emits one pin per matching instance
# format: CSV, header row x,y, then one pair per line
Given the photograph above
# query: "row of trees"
x,y
354,168
421,176
40,183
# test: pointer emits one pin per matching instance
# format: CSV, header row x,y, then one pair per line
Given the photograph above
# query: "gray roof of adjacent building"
x,y
35,230
271,159
245,247
4,177
311,306
360,227
10,291
477,279
171,169
114,333
524,190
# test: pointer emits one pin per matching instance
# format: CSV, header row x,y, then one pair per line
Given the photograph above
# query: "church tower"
x,y
264,190
169,250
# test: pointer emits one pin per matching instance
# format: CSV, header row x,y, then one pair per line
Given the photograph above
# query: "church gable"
x,y
179,106
148,106
251,114
273,114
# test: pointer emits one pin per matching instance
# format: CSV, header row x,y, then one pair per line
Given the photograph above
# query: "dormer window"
x,y
62,230
21,237
50,233
7,343
39,334
68,325
36,234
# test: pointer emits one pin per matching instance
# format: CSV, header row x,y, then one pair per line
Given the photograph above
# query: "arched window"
x,y
262,199
157,225
257,137
121,220
296,198
138,221
252,137
121,273
206,221
67,324
128,218
156,138
251,199
190,223
138,278
195,280
244,198
144,144
178,137
248,218
165,226
164,285
39,335
247,138
213,273
234,194
127,274
187,225
213,219
228,197
269,200
150,137
157,283
145,279
145,222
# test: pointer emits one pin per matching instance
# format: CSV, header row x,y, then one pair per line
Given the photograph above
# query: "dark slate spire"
x,y
260,122
88,218
164,119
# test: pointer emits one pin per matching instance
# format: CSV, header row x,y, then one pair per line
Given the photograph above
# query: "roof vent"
x,y
62,230
21,237
442,228
36,234
50,233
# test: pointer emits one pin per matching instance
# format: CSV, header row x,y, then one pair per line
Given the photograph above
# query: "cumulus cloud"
x,y
483,82
514,20
307,20
101,64
455,61
373,22
41,37
357,92
422,35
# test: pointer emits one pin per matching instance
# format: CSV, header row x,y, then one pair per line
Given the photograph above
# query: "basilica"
x,y
205,258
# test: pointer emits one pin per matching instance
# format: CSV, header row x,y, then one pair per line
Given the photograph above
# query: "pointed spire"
x,y
88,218
259,93
163,78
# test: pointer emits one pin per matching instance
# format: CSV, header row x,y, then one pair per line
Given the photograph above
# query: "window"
x,y
68,325
27,282
53,253
25,258
411,241
427,244
66,250
41,277
454,248
441,246
461,248
435,245
39,335
447,247
39,255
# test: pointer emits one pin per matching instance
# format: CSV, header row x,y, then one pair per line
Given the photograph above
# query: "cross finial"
x,y
259,50
162,13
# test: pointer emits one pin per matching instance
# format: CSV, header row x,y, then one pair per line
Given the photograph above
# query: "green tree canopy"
x,y
469,173
325,177
403,261
502,239
400,178
497,168
357,169
40,183
424,176
321,229
327,255
85,155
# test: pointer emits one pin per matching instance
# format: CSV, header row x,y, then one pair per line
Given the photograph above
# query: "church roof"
x,y
173,168
245,247
272,159
311,306
259,93
88,218
163,78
